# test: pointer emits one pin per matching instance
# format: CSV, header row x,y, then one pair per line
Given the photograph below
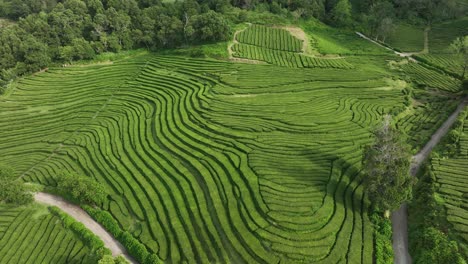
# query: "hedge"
x,y
88,237
133,246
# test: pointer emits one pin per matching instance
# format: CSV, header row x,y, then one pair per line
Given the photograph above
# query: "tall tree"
x,y
460,48
340,15
12,190
386,168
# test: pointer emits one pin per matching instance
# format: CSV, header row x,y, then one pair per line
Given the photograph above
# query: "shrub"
x,y
11,190
433,246
105,219
134,247
81,189
89,238
383,238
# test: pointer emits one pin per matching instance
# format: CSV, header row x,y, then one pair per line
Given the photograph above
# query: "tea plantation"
x,y
209,161
32,235
451,178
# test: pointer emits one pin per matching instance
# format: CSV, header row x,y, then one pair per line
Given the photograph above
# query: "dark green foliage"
x,y
428,243
134,247
12,190
386,168
433,246
90,239
75,30
105,219
383,239
340,15
81,189
465,86
210,26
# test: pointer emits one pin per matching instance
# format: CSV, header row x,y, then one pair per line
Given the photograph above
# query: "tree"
x,y
380,20
81,189
12,190
35,54
433,246
340,15
460,48
211,26
386,168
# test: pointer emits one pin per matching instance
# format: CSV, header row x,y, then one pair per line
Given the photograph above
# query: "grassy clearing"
x,y
33,235
331,41
407,38
443,34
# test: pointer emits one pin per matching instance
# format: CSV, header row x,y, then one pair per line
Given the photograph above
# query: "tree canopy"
x,y
81,189
13,190
460,48
386,168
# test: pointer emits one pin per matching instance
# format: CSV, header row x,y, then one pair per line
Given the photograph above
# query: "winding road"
x,y
400,217
81,216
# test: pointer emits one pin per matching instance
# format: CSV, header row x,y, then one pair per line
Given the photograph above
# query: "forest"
x,y
37,34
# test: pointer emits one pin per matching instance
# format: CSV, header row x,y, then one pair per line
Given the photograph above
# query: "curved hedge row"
x,y
277,46
207,161
33,235
134,247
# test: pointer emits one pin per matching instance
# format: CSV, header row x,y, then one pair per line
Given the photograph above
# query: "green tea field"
x,y
33,235
210,161
192,171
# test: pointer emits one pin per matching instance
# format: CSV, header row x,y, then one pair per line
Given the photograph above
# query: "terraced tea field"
x,y
30,235
452,175
209,161
278,46
433,78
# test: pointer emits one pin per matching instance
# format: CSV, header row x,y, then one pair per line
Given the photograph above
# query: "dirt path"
x,y
401,54
230,52
400,217
81,216
298,33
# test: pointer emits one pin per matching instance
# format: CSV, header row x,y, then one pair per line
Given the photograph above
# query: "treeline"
x,y
51,30
46,31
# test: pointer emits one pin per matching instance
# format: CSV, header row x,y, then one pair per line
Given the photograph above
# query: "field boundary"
x,y
234,42
81,216
400,217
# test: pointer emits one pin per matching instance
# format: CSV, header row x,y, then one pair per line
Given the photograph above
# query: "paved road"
x,y
81,216
400,217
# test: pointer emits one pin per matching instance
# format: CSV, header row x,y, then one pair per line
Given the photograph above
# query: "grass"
x,y
443,34
407,38
329,40
33,235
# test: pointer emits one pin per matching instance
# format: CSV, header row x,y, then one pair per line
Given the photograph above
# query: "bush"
x,y
133,246
12,190
81,189
105,219
89,238
433,246
383,239
427,243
